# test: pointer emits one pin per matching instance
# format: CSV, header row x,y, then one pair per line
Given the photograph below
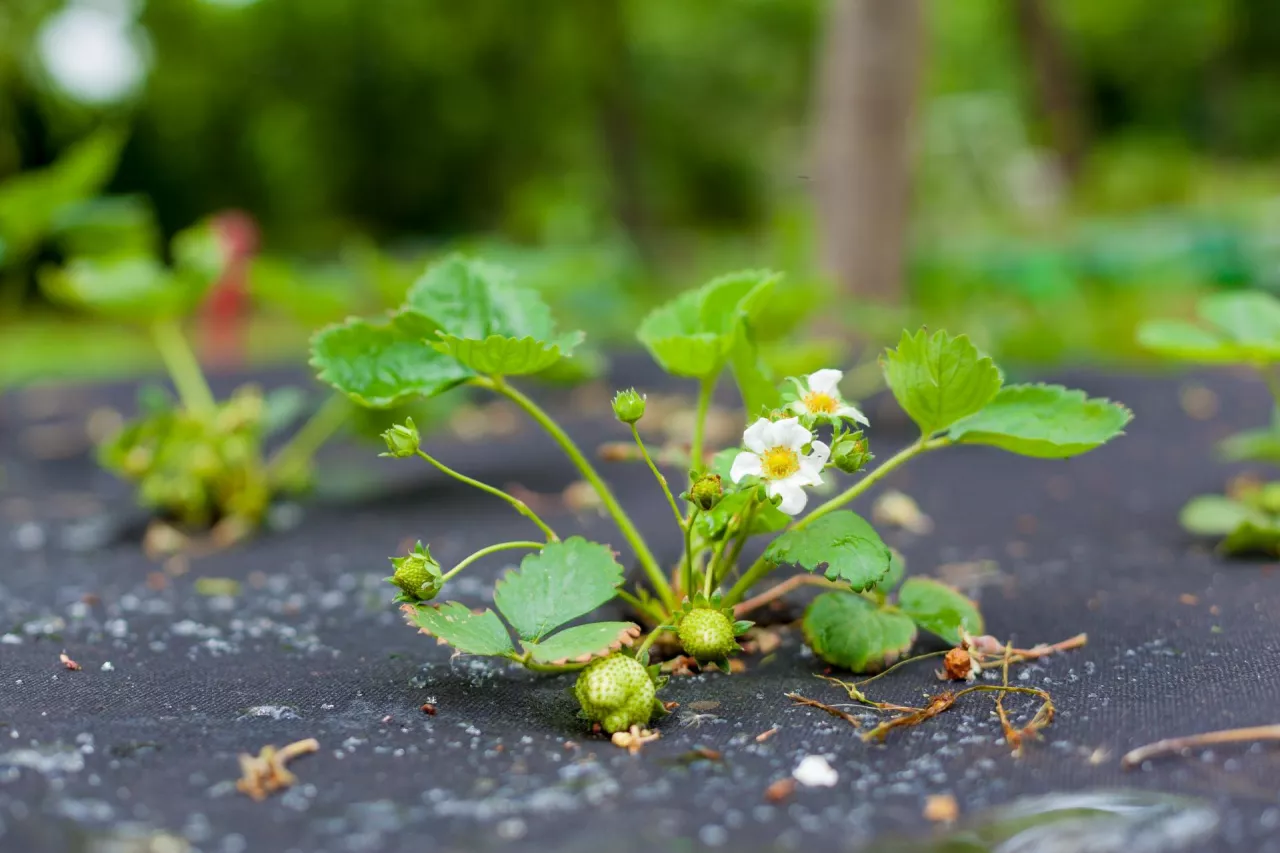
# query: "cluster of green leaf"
x,y
1237,328
466,322
195,460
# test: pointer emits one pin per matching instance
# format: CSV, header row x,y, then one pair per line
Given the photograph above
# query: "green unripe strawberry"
x,y
706,634
617,693
417,575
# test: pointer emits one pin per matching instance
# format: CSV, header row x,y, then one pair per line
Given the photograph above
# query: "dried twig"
x,y
830,709
1177,744
937,704
265,773
776,592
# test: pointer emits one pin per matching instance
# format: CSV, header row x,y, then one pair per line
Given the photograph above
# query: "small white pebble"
x,y
813,771
107,667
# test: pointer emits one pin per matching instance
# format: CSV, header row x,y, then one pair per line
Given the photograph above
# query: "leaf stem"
x,y
793,582
743,533
183,367
705,390
662,481
319,428
688,552
620,517
492,549
519,505
645,608
873,477
648,641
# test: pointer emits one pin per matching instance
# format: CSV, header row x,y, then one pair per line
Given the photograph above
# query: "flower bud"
x,y
706,491
850,453
417,574
628,406
402,440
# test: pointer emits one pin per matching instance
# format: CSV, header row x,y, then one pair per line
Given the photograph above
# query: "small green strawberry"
x,y
707,630
417,575
617,692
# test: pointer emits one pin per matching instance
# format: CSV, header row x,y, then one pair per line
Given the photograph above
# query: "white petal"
x,y
793,495
819,453
798,407
853,413
754,438
789,434
826,382
745,464
810,473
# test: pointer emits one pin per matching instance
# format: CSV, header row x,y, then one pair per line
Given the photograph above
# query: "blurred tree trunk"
x,y
867,80
1056,81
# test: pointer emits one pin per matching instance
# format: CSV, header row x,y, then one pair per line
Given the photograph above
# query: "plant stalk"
x,y
662,481
620,517
302,447
519,505
492,549
705,390
183,367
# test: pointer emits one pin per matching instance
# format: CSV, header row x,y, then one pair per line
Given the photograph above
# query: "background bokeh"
x,y
1075,166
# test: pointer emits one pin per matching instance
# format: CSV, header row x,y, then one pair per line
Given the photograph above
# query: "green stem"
x,y
1272,379
662,481
762,567
318,429
183,367
492,549
705,389
620,517
519,505
688,553
645,608
743,533
648,641
872,478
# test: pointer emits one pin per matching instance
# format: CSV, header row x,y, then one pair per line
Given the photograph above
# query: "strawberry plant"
x,y
467,323
195,460
1242,329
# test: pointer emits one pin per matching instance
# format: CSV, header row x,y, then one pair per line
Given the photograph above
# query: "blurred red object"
x,y
225,313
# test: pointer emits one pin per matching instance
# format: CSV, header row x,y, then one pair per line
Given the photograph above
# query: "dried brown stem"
x,y
774,593
265,773
830,709
1162,747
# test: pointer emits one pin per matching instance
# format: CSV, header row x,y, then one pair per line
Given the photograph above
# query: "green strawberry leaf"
x,y
1187,342
715,522
1255,445
136,289
581,643
841,544
559,583
1237,327
893,577
31,201
381,366
695,334
199,258
846,630
1253,538
502,356
1250,318
1218,515
755,380
939,609
454,624
1045,421
939,379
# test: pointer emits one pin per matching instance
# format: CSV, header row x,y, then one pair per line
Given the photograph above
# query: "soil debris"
x,y
68,663
941,808
264,774
764,736
634,739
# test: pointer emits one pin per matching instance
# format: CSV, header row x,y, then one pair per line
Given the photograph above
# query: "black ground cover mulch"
x,y
144,738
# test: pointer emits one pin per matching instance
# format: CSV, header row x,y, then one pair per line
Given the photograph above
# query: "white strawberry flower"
x,y
775,453
819,397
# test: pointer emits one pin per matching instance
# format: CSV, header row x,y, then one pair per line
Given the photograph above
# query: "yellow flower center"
x,y
821,404
779,463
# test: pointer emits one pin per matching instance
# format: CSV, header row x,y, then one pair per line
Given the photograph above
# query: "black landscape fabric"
x,y
138,748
